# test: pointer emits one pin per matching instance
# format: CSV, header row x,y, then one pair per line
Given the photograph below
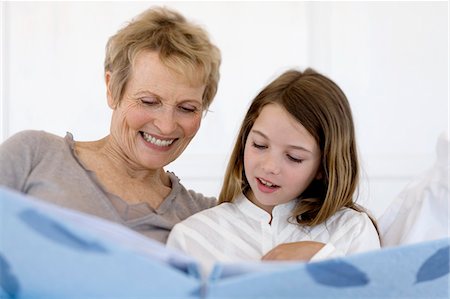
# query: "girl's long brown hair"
x,y
323,109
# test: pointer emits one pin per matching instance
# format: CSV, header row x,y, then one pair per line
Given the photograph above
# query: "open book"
x,y
51,252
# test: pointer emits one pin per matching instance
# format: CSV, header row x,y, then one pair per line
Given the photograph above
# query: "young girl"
x,y
291,179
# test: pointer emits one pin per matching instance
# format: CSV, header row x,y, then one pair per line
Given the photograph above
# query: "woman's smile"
x,y
157,143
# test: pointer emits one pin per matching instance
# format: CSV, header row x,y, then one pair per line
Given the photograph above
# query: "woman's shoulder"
x,y
190,197
210,200
26,149
33,137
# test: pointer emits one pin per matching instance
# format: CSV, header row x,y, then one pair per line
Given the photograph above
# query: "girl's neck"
x,y
249,194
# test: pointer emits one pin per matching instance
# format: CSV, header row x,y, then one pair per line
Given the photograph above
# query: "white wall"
x,y
390,58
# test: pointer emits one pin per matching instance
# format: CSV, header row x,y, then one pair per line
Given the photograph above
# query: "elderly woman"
x,y
161,74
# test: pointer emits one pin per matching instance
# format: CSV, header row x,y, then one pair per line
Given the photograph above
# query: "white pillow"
x,y
421,211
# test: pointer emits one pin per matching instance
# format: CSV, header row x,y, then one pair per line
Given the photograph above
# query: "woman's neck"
x,y
105,155
121,176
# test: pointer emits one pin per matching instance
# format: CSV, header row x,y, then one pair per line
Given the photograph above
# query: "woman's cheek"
x,y
191,127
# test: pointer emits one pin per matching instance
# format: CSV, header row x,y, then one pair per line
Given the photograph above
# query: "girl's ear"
x,y
319,175
108,91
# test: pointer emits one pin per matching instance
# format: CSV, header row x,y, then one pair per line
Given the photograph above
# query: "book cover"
x,y
51,252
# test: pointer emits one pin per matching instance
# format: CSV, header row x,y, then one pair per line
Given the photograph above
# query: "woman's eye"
x,y
188,109
259,146
148,101
296,160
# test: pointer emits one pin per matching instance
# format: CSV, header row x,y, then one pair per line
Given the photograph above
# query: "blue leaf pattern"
x,y
337,273
8,282
435,266
54,231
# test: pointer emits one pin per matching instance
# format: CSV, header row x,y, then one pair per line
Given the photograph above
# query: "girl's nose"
x,y
271,164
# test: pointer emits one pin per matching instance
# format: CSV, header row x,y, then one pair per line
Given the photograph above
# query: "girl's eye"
x,y
259,146
294,159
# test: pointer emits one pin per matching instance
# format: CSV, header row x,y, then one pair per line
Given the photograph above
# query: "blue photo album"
x,y
51,252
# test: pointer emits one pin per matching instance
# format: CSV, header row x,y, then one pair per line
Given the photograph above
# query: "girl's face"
x,y
281,158
158,115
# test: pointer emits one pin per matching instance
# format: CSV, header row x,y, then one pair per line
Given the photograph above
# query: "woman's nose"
x,y
165,120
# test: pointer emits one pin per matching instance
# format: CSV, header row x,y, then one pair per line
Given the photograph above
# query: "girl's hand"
x,y
296,251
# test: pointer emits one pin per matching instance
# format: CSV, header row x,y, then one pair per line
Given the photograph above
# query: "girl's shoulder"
x,y
215,214
349,216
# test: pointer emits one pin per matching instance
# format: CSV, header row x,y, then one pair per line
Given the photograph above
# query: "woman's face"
x,y
158,115
281,158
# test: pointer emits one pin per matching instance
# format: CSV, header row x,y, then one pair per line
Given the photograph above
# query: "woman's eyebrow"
x,y
142,93
146,93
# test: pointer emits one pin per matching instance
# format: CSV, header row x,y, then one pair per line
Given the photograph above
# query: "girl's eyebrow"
x,y
298,147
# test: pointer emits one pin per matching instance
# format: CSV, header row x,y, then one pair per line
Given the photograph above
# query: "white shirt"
x,y
240,231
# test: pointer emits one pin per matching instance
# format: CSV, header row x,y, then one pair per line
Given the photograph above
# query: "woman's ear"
x,y
109,96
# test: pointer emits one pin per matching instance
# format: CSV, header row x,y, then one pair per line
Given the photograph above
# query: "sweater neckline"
x,y
125,210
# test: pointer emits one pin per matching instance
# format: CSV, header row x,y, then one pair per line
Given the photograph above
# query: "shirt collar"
x,y
282,211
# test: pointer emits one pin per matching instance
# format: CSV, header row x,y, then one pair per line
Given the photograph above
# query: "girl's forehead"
x,y
273,111
276,123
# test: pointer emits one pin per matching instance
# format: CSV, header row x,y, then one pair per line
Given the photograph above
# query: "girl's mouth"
x,y
266,186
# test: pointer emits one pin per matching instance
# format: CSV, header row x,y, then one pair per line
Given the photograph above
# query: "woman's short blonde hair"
x,y
183,47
